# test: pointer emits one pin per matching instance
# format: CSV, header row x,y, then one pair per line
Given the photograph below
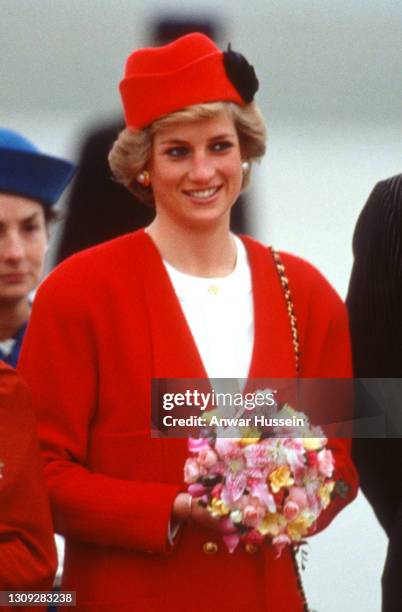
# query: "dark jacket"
x,y
375,309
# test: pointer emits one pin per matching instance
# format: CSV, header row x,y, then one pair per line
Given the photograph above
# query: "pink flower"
x,y
290,510
227,526
325,463
253,515
207,457
191,470
228,448
313,499
231,540
298,496
255,476
195,445
256,455
295,456
217,490
262,493
279,542
233,488
295,444
197,489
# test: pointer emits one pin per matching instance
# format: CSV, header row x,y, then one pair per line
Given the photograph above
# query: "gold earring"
x,y
143,178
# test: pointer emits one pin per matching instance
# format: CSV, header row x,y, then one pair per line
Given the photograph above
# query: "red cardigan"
x,y
103,324
27,552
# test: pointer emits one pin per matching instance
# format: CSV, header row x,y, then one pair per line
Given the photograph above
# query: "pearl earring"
x,y
245,166
143,178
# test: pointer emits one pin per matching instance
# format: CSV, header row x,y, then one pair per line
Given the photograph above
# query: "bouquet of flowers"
x,y
262,486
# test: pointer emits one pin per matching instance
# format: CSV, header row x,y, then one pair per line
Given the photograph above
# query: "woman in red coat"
x,y
183,298
27,553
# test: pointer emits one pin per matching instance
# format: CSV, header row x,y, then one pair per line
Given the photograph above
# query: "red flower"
x,y
312,459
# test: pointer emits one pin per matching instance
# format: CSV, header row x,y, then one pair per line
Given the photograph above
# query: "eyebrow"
x,y
179,141
27,219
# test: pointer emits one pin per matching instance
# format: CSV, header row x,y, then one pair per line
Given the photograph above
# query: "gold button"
x,y
251,549
210,548
213,289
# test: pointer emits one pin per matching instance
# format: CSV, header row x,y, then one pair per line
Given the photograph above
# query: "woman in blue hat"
x,y
30,184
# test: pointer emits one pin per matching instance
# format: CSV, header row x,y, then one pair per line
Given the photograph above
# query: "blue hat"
x,y
25,171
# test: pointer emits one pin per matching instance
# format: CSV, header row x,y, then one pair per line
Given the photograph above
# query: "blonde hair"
x,y
131,151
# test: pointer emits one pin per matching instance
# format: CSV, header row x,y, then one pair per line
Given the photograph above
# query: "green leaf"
x,y
341,489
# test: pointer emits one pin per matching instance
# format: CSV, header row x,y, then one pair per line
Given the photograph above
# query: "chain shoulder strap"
x,y
300,582
296,349
290,307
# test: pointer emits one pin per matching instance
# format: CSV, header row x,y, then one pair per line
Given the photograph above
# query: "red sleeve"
x,y
325,353
59,361
27,551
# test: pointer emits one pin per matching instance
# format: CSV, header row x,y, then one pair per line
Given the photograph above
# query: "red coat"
x,y
27,552
103,324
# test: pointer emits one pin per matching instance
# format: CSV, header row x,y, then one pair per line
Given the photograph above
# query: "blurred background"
x,y
330,88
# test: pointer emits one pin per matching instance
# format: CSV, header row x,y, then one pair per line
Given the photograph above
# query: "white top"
x,y
219,312
6,346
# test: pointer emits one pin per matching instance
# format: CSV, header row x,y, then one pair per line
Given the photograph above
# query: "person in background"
x,y
27,551
375,310
30,184
98,208
182,298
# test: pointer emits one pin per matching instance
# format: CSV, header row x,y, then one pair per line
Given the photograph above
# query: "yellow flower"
x,y
299,527
280,478
271,524
312,444
325,492
217,508
251,436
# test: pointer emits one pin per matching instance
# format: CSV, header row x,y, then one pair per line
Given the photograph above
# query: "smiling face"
x,y
23,242
195,170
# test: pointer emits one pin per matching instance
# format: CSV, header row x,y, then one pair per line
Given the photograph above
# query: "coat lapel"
x,y
175,354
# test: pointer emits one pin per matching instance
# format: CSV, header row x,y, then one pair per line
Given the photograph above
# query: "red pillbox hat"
x,y
161,80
